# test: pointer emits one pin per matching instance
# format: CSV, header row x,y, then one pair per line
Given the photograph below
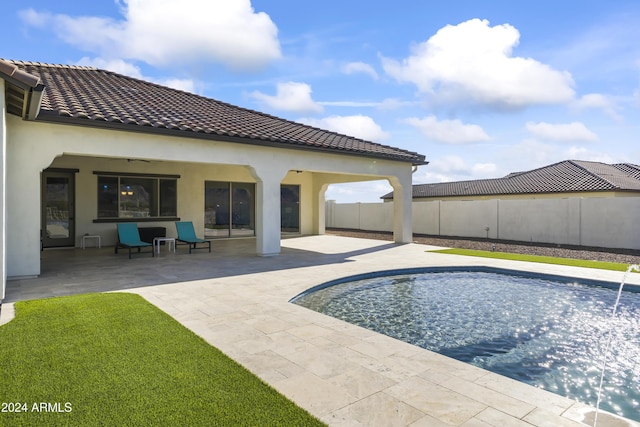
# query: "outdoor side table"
x,y
91,236
169,240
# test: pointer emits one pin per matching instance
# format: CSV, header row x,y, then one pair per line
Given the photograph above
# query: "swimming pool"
x,y
547,331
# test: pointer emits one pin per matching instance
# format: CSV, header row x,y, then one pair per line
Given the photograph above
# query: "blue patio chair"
x,y
129,237
187,235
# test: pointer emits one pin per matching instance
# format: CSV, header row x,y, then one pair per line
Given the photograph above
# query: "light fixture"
x,y
128,192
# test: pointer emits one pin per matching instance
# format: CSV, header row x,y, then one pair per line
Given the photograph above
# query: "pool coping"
x,y
629,287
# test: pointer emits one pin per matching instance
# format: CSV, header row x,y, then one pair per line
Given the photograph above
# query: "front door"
x,y
58,209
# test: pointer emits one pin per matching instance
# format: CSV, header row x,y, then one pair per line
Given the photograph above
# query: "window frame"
x,y
156,199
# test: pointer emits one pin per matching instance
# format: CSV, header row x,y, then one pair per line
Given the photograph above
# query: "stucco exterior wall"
x,y
190,189
607,222
34,146
3,189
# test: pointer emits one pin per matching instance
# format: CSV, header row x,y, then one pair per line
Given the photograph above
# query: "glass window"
x,y
243,209
136,197
107,197
290,209
216,209
168,197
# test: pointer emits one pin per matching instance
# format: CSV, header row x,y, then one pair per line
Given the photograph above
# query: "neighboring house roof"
x,y
564,177
92,97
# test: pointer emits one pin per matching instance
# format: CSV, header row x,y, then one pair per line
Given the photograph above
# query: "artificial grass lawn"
x,y
115,359
537,258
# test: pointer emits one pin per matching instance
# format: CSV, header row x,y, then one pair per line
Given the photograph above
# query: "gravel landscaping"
x,y
624,256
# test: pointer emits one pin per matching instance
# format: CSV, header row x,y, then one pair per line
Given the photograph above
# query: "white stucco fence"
x,y
601,222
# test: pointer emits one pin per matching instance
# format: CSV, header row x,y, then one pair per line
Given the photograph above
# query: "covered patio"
x,y
343,374
70,271
86,148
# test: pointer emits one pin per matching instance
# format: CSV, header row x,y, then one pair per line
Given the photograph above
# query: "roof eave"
x,y
34,103
30,86
53,117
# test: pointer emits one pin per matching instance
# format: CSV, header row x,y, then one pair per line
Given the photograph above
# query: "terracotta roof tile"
x,y
563,177
94,97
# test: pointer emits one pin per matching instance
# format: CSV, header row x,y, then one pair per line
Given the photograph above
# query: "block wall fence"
x,y
599,222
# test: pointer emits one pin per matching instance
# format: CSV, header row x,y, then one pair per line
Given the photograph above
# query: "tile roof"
x,y
93,97
564,177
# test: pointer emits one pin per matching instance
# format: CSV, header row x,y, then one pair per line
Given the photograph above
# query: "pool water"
x,y
543,332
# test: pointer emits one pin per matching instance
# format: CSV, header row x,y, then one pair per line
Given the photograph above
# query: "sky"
x,y
481,88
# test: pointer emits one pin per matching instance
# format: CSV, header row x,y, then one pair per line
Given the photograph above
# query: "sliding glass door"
x,y
290,209
229,209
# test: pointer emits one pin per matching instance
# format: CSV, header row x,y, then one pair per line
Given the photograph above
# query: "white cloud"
x,y
484,169
531,154
360,67
454,168
450,164
566,132
448,131
473,62
358,126
165,32
116,65
385,104
526,155
33,18
356,104
582,153
394,104
598,101
122,67
186,85
290,96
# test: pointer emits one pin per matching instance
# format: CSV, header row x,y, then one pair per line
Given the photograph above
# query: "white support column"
x,y
268,183
3,190
402,206
319,217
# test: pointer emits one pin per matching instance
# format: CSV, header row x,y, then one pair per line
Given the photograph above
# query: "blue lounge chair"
x,y
129,237
187,235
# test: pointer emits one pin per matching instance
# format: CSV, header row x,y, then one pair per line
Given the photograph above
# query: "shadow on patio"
x,y
75,271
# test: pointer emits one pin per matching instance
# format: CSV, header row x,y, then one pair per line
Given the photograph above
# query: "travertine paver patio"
x,y
343,374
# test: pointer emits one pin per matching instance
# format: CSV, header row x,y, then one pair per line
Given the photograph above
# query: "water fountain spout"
x,y
633,267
